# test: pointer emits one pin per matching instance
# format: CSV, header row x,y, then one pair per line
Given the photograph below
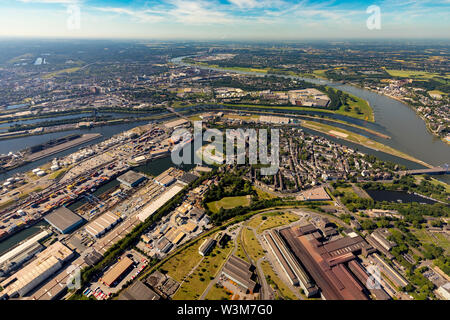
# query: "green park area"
x,y
228,203
435,238
271,220
437,92
320,73
347,192
196,283
357,108
251,244
350,113
263,195
414,74
218,292
183,262
55,73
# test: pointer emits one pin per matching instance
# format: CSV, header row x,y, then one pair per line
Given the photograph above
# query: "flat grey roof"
x,y
63,219
130,177
139,291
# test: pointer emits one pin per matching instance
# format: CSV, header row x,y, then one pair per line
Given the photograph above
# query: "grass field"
x,y
351,113
55,73
356,102
218,293
414,74
262,194
271,220
433,181
437,92
240,249
228,203
348,191
435,238
195,118
183,262
320,73
358,139
57,174
275,282
197,282
252,246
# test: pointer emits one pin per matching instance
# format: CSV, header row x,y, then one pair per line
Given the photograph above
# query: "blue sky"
x,y
223,19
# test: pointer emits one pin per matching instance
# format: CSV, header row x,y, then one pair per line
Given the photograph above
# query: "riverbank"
x,y
427,124
381,135
365,110
360,140
64,146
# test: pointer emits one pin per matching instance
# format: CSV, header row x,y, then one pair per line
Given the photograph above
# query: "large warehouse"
x,y
327,261
239,271
159,202
64,220
117,271
47,263
22,252
292,269
139,291
131,179
102,224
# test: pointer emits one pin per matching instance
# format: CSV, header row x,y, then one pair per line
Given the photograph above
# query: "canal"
x,y
397,196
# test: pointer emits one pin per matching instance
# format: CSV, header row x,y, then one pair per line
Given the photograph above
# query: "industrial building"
x,y
175,123
131,179
292,269
102,224
327,261
159,202
444,291
164,245
206,246
64,220
362,275
387,270
381,236
240,272
22,253
117,271
187,178
46,263
92,257
165,179
139,291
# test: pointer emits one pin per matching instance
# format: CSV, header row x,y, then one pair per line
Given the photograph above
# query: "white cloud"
x,y
245,3
51,1
144,15
198,13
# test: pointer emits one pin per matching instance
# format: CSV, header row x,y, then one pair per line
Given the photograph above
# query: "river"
x,y
407,130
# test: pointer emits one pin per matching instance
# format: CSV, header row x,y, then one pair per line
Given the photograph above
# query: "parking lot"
x,y
102,292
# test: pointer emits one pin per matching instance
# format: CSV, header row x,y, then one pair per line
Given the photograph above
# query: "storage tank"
x,y
40,173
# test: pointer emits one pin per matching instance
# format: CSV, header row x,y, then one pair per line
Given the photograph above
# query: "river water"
x,y
407,130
